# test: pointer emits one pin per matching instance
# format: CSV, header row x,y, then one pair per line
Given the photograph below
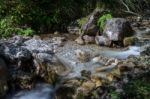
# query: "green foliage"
x,y
25,32
102,20
51,15
115,95
45,15
138,89
82,21
9,27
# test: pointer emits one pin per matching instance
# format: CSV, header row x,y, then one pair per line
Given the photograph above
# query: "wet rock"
x,y
80,41
84,90
66,91
44,46
102,41
3,78
116,29
89,85
18,40
58,41
73,82
128,41
88,39
23,80
96,59
12,49
15,54
146,50
47,66
39,46
86,73
82,55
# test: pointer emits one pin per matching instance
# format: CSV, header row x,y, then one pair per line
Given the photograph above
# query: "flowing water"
x,y
132,50
41,91
45,91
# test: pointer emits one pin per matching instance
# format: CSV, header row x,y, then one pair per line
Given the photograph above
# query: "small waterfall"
x,y
41,91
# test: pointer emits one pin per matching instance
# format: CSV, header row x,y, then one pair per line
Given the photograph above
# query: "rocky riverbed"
x,y
57,67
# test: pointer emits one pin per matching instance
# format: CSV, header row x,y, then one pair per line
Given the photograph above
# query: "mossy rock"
x,y
130,41
82,21
52,77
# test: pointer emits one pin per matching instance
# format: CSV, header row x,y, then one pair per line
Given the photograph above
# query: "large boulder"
x,y
46,64
3,77
116,29
90,27
15,54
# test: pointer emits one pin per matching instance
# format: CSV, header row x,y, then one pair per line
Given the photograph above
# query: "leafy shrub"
x,y
25,32
102,20
138,89
9,27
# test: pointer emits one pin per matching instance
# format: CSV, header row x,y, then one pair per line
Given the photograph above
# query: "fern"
x,y
102,20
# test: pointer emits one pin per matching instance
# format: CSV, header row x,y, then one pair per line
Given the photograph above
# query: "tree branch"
x,y
128,9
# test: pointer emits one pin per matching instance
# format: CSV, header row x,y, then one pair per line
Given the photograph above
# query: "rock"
x,y
3,78
44,46
80,41
58,41
47,66
56,33
96,59
109,66
110,77
73,82
36,37
66,91
146,50
82,56
98,81
88,39
90,28
39,46
102,41
128,41
85,73
43,57
89,85
18,40
126,66
116,29
14,53
23,80
74,28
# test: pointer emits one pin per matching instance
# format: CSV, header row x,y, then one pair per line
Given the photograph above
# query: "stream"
x,y
45,91
41,91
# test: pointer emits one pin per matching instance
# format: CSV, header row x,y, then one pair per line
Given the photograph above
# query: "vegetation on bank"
x,y
138,88
27,17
